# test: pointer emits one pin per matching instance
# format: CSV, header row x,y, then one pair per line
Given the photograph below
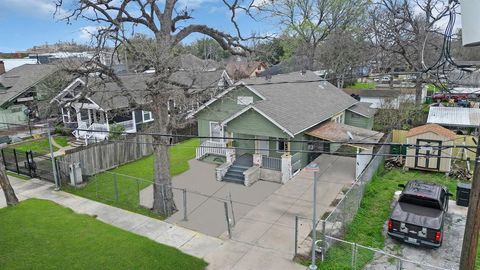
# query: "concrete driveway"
x,y
206,197
271,224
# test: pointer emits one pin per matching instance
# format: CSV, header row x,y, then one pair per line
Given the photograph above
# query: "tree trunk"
x,y
418,92
10,196
163,202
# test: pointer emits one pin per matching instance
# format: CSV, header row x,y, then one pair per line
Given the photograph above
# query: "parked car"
x,y
418,215
386,79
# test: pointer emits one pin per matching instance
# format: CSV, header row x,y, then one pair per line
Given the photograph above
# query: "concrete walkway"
x,y
218,253
206,197
271,224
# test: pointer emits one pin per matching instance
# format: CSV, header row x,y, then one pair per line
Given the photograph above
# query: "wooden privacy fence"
x,y
106,155
400,136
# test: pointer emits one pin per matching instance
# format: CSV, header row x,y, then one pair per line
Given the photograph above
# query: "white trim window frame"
x,y
150,117
281,142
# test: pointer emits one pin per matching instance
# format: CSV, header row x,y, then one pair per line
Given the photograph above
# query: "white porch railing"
x,y
128,125
98,131
211,147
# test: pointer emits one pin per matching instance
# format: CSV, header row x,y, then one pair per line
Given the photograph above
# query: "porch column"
x,y
230,150
286,167
89,117
134,122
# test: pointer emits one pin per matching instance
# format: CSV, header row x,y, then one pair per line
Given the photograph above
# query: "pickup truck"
x,y
418,215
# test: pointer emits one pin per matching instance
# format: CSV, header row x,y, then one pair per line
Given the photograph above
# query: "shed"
x,y
433,150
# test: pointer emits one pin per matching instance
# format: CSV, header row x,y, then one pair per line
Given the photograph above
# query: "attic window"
x,y
244,100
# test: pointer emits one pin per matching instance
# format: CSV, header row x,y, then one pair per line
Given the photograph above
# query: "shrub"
x,y
116,131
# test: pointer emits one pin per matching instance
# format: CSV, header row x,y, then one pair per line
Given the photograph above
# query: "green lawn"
x,y
39,234
362,85
367,226
40,146
19,176
101,187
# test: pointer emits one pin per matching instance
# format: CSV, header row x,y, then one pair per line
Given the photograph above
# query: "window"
x,y
147,116
281,145
244,100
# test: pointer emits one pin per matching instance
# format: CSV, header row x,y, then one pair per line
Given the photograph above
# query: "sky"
x,y
25,23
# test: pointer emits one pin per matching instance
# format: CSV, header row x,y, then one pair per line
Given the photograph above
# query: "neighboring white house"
x,y
91,114
385,98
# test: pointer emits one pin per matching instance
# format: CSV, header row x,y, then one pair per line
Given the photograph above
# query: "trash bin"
x,y
463,194
428,100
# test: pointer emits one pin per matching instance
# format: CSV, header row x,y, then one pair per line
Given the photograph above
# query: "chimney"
x,y
2,67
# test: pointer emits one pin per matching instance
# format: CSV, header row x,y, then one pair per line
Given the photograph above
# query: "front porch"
x,y
249,158
93,124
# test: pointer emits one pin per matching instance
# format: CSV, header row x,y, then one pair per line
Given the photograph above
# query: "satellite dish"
x,y
350,136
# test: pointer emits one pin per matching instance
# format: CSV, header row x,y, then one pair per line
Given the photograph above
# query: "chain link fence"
x,y
136,194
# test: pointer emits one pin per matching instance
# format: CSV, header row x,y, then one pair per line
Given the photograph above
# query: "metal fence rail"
x,y
272,163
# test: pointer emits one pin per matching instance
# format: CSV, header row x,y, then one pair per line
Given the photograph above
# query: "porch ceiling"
x,y
336,132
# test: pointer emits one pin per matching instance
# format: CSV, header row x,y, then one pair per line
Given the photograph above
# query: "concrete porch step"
x,y
235,180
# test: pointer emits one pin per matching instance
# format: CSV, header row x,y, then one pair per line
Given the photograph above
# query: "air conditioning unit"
x,y
470,22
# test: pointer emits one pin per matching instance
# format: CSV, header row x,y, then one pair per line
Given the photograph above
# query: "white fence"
x,y
211,147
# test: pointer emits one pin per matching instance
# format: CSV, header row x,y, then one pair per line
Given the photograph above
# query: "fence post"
x,y
138,190
185,218
115,186
231,207
324,241
96,184
354,250
296,236
225,204
34,166
28,164
399,264
74,175
16,161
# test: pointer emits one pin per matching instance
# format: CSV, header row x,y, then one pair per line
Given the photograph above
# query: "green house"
x,y
24,91
258,127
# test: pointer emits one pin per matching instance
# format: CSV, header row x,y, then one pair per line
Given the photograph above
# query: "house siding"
x,y
14,114
222,109
253,123
357,120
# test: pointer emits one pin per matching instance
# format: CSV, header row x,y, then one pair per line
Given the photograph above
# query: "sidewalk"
x,y
219,254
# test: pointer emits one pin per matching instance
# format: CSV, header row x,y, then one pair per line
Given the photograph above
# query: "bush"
x,y
116,131
61,130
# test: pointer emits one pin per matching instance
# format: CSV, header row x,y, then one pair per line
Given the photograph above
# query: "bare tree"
x,y
410,30
312,21
167,23
344,54
10,196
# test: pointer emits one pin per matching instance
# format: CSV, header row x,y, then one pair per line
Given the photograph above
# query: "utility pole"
x,y
472,226
52,157
313,167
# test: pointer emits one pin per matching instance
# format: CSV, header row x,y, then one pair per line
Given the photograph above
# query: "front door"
x,y
262,147
428,154
215,131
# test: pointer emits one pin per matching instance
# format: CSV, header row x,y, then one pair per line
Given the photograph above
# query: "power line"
x,y
265,140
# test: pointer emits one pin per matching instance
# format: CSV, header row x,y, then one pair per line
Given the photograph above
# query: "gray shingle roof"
x,y
109,96
20,79
298,102
363,108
